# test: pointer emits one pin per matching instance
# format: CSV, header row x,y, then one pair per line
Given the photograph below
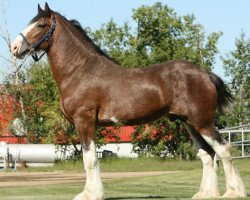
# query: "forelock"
x,y
40,15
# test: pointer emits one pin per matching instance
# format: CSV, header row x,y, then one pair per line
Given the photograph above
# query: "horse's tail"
x,y
224,95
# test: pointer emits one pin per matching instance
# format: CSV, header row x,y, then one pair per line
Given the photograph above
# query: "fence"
x,y
239,137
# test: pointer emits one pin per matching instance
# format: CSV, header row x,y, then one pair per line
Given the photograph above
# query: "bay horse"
x,y
95,90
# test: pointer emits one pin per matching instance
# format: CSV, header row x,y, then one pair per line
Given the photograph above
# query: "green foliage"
x,y
163,138
45,98
160,35
40,99
237,66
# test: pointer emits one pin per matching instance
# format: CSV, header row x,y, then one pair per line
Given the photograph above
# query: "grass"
x,y
147,164
181,184
133,165
123,165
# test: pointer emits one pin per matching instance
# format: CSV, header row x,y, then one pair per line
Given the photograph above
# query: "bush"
x,y
163,138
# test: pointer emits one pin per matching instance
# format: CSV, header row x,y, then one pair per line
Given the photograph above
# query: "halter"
x,y
32,47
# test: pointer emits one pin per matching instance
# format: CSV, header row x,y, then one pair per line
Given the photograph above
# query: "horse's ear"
x,y
39,9
47,9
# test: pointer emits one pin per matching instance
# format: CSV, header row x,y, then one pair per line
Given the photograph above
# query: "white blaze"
x,y
19,45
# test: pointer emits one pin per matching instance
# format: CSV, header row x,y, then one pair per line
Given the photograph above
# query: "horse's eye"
x,y
41,26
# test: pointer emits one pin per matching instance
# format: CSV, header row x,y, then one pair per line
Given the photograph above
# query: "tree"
x,y
160,35
8,107
40,102
12,63
237,67
163,139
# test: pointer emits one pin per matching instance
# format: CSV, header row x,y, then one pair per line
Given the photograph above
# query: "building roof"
x,y
123,133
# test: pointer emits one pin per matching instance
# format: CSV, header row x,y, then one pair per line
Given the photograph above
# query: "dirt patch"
x,y
9,179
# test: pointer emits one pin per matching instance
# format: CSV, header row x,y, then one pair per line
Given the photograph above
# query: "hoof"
x,y
232,194
81,196
206,195
198,195
87,196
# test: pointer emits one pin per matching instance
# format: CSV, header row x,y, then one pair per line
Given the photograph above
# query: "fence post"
x,y
242,143
229,137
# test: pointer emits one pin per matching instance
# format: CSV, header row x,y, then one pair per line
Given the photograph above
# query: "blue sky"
x,y
230,17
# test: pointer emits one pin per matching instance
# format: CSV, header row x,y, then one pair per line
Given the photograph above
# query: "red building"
x,y
13,139
123,133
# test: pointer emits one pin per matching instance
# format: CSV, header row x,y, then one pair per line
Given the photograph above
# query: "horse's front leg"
x,y
93,188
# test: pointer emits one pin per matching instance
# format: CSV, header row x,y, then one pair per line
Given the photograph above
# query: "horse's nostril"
x,y
14,49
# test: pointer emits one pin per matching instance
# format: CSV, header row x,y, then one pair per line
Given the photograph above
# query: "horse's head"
x,y
37,35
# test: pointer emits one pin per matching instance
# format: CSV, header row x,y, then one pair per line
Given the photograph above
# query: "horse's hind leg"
x,y
209,183
235,186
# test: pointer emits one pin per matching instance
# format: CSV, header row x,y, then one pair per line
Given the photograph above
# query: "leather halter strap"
x,y
33,47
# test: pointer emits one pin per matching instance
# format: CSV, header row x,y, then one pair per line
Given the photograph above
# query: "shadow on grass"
x,y
147,197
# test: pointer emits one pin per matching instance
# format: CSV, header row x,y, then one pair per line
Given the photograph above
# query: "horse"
x,y
93,88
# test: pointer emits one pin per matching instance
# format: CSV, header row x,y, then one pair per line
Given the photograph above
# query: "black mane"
x,y
80,29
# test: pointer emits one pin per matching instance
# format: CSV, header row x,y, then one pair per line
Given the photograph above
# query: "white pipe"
x,y
31,153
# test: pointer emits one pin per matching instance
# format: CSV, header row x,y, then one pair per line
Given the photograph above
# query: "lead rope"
x,y
14,72
32,49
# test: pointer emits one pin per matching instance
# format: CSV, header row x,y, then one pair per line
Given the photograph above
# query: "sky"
x,y
228,16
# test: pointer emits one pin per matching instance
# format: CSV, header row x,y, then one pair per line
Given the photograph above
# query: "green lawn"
x,y
178,185
124,165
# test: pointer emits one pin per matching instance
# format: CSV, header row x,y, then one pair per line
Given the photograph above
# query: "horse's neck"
x,y
70,52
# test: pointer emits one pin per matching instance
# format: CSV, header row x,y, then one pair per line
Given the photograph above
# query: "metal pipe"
x,y
31,153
